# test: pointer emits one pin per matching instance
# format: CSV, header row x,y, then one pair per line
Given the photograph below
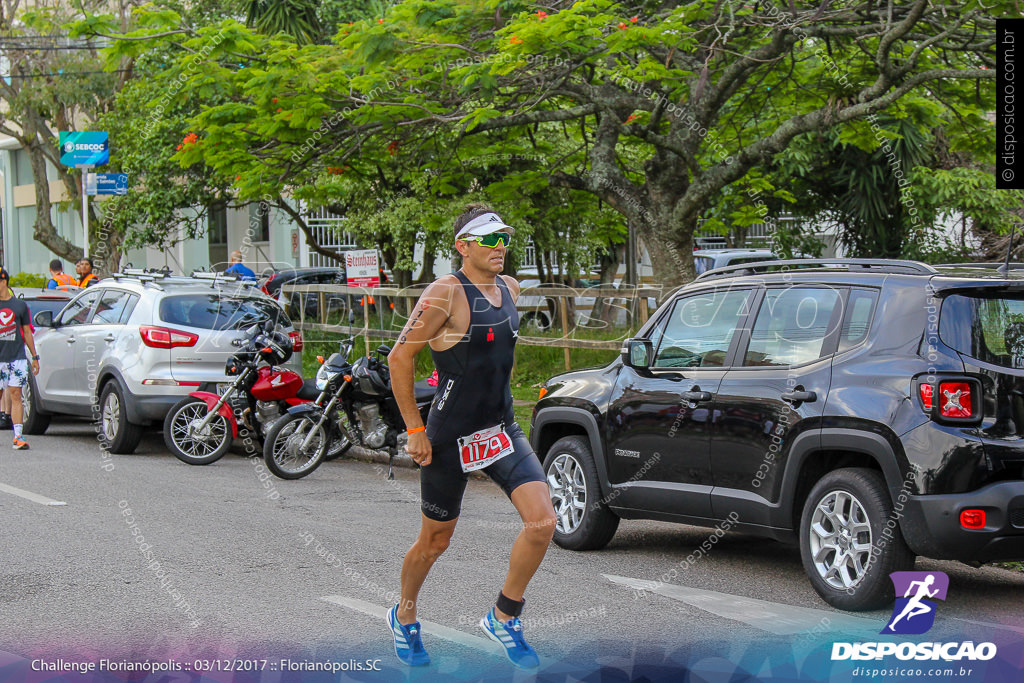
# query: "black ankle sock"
x,y
511,607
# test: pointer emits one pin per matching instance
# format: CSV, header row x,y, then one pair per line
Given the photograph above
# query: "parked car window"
x,y
211,312
750,259
990,329
77,312
110,307
129,307
860,309
791,326
54,305
702,264
700,329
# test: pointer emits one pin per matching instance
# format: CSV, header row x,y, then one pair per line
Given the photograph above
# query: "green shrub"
x,y
29,280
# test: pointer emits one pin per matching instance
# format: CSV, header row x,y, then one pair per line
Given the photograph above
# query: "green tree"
x,y
661,110
296,18
53,86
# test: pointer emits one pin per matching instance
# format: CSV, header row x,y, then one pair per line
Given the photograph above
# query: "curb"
x,y
360,454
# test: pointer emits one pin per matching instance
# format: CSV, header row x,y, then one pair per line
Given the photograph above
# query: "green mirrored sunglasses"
x,y
490,241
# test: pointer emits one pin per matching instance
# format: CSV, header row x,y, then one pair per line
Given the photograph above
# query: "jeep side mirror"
x,y
638,353
43,319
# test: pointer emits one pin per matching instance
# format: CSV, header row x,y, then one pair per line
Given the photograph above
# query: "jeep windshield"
x,y
214,312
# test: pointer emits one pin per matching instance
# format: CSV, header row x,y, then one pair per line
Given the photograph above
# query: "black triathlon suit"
x,y
473,393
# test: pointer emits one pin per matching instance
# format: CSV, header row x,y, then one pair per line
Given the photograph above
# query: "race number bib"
x,y
484,448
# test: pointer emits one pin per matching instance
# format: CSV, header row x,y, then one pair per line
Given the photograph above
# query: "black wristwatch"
x,y
35,358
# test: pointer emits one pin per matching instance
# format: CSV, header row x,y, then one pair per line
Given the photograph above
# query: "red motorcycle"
x,y
199,428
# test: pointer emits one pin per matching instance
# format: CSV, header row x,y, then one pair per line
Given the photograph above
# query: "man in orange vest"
x,y
58,278
86,277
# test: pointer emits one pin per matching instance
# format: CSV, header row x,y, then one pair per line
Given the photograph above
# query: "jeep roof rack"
x,y
879,265
995,265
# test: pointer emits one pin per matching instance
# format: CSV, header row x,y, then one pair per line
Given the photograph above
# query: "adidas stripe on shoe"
x,y
408,645
510,636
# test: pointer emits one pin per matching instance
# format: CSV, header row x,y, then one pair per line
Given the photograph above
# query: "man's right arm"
x,y
426,323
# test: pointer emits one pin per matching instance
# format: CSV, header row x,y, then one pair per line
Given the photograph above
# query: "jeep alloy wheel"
x,y
845,554
568,492
584,520
840,539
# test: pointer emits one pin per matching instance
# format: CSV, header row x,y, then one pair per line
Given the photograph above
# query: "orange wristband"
x,y
421,428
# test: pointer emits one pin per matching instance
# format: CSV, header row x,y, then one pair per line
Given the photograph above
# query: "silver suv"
x,y
128,348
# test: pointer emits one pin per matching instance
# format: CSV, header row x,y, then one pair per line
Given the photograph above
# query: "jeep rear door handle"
x,y
697,396
71,340
799,397
110,338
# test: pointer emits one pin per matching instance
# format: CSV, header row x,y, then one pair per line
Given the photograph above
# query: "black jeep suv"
x,y
870,410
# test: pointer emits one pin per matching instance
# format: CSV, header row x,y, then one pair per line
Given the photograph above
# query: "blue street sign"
x,y
84,148
106,183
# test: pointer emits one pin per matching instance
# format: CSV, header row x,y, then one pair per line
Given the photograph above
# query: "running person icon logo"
x,y
914,612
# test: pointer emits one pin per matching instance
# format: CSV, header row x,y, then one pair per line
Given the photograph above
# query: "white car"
x,y
128,348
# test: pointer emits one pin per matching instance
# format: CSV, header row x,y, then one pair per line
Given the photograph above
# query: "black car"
x,y
52,300
868,410
273,283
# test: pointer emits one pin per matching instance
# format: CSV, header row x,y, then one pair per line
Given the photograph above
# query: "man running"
x,y
469,319
15,335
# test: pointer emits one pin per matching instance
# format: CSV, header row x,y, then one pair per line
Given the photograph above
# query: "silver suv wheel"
x,y
568,491
840,539
111,416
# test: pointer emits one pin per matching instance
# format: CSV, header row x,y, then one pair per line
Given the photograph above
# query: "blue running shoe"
x,y
408,645
510,636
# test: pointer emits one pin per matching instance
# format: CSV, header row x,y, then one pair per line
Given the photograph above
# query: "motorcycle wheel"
x,y
340,440
196,448
282,448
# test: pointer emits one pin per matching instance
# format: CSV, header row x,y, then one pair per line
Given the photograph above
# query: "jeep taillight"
x,y
926,396
165,337
296,338
951,399
955,400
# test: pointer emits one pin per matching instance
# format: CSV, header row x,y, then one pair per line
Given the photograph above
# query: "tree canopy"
x,y
658,113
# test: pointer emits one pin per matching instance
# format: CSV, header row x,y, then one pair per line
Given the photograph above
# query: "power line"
x,y
45,48
66,73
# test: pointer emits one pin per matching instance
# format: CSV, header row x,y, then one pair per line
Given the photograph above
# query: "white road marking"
x,y
28,495
480,643
768,616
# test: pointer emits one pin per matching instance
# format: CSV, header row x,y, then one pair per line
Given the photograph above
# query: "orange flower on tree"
x,y
623,26
633,19
515,40
542,15
188,141
632,117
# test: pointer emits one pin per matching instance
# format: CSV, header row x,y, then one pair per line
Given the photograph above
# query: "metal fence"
x,y
576,313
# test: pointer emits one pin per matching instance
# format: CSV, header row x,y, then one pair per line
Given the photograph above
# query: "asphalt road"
x,y
236,563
